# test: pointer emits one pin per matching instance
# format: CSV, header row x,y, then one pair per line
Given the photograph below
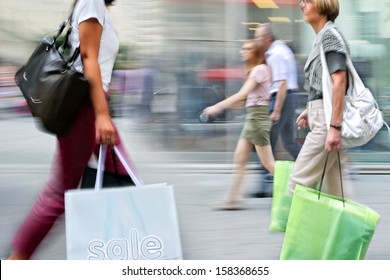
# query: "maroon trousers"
x,y
72,155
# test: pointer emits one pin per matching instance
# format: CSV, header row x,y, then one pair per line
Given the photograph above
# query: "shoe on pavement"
x,y
268,178
227,206
261,194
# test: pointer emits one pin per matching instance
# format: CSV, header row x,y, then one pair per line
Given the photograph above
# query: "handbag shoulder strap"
x,y
63,25
67,23
356,81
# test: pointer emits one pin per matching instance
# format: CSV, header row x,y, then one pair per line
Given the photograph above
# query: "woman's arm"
x,y
279,102
90,32
241,95
333,141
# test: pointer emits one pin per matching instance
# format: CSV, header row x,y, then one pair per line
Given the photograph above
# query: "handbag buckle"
x,y
36,100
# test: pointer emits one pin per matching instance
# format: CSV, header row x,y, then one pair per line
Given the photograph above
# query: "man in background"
x,y
281,60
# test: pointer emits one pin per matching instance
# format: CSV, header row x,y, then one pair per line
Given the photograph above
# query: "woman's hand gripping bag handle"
x,y
100,168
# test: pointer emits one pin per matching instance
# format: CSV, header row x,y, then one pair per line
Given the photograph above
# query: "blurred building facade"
x,y
187,36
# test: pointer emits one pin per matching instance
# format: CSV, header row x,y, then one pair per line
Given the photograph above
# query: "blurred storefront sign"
x,y
263,4
223,74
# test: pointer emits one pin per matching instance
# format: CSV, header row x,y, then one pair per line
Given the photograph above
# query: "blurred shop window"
x,y
364,68
369,26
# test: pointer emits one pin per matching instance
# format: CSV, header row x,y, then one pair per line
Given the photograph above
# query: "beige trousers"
x,y
310,163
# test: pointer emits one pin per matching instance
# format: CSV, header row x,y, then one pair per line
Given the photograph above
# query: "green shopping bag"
x,y
323,227
281,198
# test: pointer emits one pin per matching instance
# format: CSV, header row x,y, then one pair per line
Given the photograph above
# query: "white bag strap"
x,y
100,167
137,181
101,163
356,80
326,88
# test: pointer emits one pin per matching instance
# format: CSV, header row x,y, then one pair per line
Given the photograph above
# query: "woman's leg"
x,y
266,157
241,154
72,155
310,164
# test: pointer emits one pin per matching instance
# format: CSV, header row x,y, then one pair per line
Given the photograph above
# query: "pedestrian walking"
x,y
322,142
255,92
281,60
91,28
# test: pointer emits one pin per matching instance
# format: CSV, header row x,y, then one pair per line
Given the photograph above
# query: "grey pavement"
x,y
199,176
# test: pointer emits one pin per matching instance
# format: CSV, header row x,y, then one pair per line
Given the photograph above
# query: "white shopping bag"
x,y
126,223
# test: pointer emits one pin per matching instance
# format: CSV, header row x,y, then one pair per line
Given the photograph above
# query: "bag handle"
x,y
64,45
137,181
101,163
62,26
341,179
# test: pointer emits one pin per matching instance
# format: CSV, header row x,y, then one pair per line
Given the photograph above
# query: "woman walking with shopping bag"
x,y
92,29
321,141
322,223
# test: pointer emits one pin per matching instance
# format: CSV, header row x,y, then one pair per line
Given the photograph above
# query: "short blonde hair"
x,y
328,8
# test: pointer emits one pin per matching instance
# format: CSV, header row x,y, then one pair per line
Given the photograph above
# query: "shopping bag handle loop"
x,y
341,178
100,167
101,163
137,181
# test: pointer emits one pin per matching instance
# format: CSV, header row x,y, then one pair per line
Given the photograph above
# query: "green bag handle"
x,y
341,179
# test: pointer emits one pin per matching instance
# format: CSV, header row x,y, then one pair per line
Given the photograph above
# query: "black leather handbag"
x,y
53,88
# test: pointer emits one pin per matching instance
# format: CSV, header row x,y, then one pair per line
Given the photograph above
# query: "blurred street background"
x,y
176,58
199,179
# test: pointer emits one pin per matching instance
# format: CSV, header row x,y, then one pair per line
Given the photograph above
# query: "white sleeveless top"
x,y
109,44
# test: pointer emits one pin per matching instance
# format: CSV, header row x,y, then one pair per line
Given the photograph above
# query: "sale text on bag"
x,y
150,247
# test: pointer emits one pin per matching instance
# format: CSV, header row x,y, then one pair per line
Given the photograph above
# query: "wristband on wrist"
x,y
337,127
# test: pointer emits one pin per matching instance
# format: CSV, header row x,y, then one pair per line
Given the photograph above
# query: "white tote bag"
x,y
126,223
362,118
